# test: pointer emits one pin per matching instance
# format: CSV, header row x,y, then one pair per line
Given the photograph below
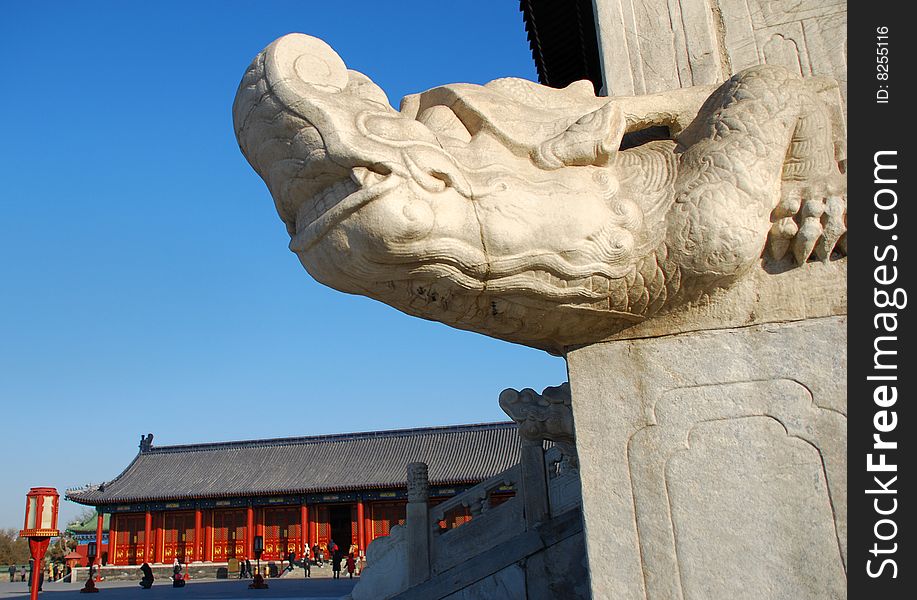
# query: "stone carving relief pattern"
x,y
679,43
798,473
806,37
418,482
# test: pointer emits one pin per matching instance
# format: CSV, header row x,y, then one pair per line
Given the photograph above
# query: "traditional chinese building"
x,y
88,531
206,502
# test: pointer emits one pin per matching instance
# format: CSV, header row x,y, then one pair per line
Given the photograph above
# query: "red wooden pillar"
x,y
208,536
361,527
147,537
367,526
249,533
113,539
158,538
100,519
313,530
303,529
197,535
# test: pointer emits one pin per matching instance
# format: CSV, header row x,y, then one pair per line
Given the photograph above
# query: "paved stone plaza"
x,y
317,588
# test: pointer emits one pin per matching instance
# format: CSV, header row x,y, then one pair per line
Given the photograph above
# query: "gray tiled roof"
x,y
352,461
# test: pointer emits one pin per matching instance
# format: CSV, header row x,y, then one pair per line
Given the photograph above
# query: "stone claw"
x,y
810,222
834,225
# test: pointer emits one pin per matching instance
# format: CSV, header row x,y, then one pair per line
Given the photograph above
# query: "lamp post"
x,y
258,580
40,526
90,586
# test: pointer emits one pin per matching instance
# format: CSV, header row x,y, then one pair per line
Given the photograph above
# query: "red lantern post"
x,y
40,526
258,580
90,587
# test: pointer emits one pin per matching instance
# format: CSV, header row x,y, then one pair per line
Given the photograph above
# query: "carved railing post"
x,y
534,482
540,416
418,524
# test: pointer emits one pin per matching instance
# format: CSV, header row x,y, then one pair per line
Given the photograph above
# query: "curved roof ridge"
x,y
327,437
350,461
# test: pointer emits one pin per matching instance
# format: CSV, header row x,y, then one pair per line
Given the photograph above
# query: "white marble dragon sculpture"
x,y
510,209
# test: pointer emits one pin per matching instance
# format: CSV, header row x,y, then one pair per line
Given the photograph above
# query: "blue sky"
x,y
145,282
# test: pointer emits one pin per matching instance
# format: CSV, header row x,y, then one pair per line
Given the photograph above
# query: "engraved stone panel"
x,y
766,13
721,457
713,460
783,50
738,31
652,26
779,47
809,36
708,40
826,38
750,506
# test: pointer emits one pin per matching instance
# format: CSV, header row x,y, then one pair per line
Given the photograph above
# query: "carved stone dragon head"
x,y
508,208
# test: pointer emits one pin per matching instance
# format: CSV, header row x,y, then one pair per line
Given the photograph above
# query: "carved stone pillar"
x,y
721,455
545,416
418,524
708,42
534,483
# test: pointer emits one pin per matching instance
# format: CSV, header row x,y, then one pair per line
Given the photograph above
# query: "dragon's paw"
x,y
810,221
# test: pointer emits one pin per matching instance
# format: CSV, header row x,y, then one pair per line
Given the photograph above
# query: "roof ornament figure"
x,y
146,442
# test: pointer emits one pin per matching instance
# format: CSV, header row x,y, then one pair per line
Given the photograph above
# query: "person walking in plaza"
x,y
248,569
351,566
12,571
336,559
291,559
306,562
178,580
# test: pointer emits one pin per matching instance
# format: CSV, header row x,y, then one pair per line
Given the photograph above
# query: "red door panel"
x,y
228,535
281,532
178,537
129,548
